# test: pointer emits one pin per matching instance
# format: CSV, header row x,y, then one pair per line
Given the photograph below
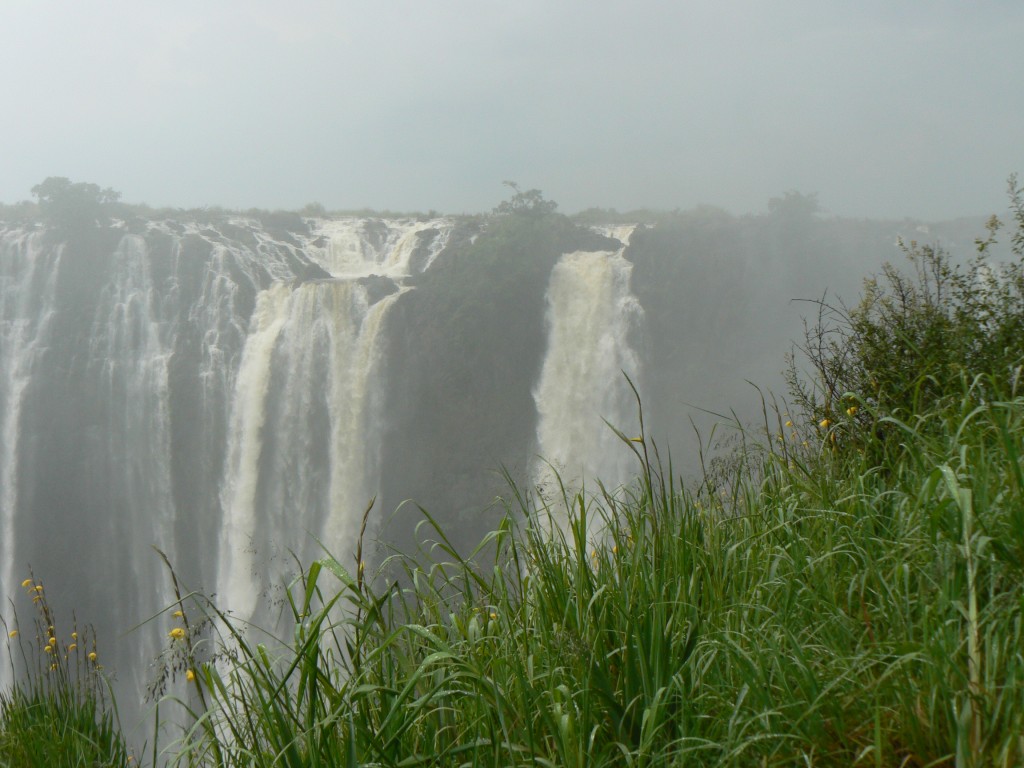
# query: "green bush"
x,y
916,339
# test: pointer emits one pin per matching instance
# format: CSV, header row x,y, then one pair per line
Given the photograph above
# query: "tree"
x,y
528,203
794,206
74,205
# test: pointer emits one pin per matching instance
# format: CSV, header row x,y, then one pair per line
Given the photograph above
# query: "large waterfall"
x,y
234,393
213,391
304,439
592,319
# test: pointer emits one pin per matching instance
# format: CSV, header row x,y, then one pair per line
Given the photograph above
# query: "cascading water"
x,y
217,390
188,387
592,318
24,316
304,445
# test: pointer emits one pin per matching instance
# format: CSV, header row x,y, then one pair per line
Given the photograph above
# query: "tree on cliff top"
x,y
528,203
74,205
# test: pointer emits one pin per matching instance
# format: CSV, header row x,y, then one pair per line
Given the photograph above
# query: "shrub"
x,y
915,338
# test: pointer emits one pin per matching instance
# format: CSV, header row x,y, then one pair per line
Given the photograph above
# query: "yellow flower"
x,y
190,675
789,423
851,410
824,423
493,615
72,647
178,614
26,583
48,649
92,656
74,635
13,633
39,587
177,633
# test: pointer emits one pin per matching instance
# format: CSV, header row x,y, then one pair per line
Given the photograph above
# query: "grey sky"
x,y
882,108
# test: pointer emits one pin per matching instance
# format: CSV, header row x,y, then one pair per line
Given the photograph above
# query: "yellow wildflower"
x,y
74,635
92,656
824,423
178,614
789,422
48,649
177,633
851,410
26,583
190,675
493,615
72,647
13,633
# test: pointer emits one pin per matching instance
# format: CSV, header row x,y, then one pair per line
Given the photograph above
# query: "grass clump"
x,y
825,614
60,713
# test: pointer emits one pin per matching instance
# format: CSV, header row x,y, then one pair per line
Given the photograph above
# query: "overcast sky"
x,y
882,108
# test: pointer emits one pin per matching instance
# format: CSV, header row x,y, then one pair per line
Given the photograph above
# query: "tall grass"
x,y
61,714
827,610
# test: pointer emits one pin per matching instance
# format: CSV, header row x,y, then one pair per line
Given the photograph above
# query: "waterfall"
x,y
591,318
217,389
24,322
304,442
303,445
120,355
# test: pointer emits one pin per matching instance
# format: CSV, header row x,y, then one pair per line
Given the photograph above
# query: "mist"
x,y
883,110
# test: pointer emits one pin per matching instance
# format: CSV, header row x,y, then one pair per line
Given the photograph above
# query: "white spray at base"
x,y
592,317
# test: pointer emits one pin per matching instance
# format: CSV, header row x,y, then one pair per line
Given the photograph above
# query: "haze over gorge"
x,y
235,388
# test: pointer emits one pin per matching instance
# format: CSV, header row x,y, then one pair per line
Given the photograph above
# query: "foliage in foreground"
x,y
829,614
62,715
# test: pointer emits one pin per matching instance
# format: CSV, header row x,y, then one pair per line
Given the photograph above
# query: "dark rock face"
x,y
377,287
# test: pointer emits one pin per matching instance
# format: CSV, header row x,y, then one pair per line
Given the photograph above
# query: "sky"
x,y
884,108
